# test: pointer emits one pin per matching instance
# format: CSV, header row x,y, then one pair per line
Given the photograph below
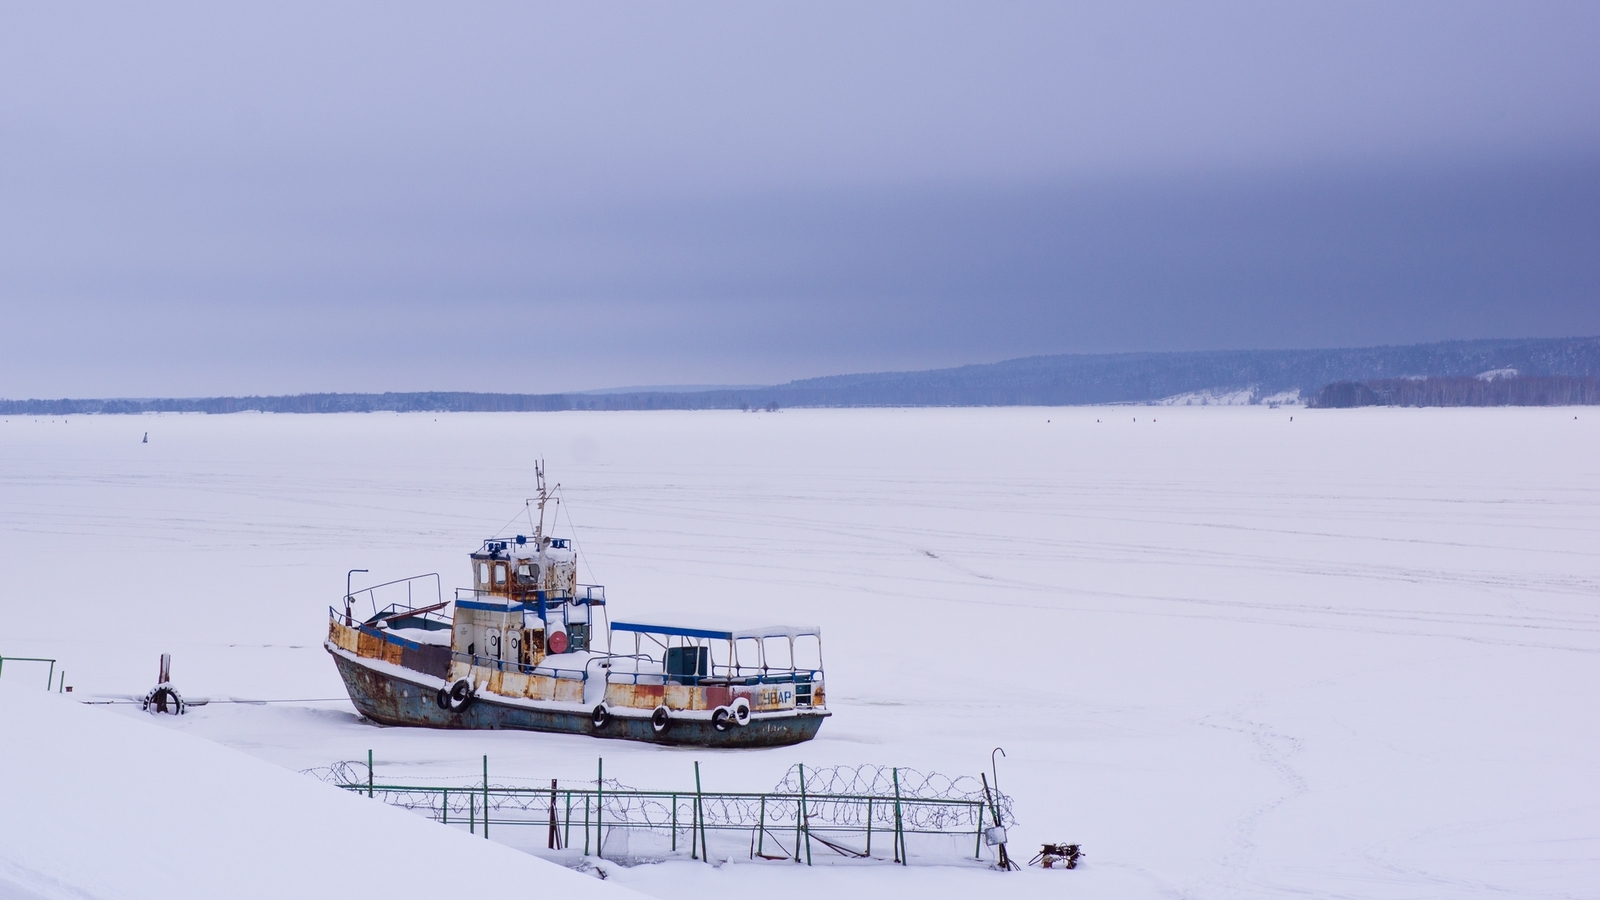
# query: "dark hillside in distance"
x,y
1250,376
1514,390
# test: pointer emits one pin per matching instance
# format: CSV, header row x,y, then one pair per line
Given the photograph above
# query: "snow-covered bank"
x,y
104,807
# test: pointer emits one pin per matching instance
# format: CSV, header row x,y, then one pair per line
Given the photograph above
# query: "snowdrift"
x,y
104,806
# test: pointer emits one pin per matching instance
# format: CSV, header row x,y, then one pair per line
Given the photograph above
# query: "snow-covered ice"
x,y
1234,652
98,806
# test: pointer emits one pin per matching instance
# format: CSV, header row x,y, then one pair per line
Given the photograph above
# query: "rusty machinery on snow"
x,y
1067,855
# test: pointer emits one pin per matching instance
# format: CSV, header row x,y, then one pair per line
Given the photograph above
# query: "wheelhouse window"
x,y
499,573
807,652
776,654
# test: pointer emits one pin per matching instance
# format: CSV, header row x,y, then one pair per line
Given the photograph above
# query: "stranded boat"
x,y
518,650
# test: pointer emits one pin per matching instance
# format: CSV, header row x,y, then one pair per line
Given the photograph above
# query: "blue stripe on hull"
x,y
389,700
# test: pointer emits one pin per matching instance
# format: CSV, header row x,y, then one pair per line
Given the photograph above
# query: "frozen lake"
x,y
1231,654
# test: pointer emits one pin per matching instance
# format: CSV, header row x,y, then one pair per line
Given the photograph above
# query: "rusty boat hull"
x,y
391,695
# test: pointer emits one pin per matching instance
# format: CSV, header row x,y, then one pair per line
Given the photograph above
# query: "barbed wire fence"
x,y
841,808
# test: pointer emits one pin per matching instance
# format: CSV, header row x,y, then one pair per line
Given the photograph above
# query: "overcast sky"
x,y
199,200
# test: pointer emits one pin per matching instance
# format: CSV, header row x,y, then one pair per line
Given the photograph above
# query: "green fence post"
x,y
700,813
585,824
50,679
761,840
446,820
566,826
899,827
803,824
486,796
472,813
869,826
369,773
674,823
977,845
599,806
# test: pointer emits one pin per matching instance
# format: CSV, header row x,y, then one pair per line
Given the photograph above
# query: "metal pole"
x,y
700,812
369,773
674,823
472,813
869,826
599,805
761,842
347,595
50,679
899,827
486,796
446,818
804,820
554,835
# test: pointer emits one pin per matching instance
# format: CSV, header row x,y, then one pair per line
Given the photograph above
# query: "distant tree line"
x,y
1067,380
1516,390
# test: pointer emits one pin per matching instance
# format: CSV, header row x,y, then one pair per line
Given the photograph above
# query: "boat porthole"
x,y
719,719
600,716
660,719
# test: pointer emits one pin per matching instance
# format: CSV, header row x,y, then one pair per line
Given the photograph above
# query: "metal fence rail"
x,y
881,814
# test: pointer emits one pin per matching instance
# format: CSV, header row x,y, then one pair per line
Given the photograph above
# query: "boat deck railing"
x,y
800,677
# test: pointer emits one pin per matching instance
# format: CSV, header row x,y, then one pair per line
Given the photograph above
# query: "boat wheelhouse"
x,y
519,650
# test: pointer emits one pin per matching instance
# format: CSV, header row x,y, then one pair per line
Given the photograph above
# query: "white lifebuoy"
x,y
661,719
741,710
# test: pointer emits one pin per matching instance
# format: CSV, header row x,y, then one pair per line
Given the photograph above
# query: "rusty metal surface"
x,y
390,700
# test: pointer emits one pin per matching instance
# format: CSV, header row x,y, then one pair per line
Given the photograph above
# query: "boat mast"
x,y
544,496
